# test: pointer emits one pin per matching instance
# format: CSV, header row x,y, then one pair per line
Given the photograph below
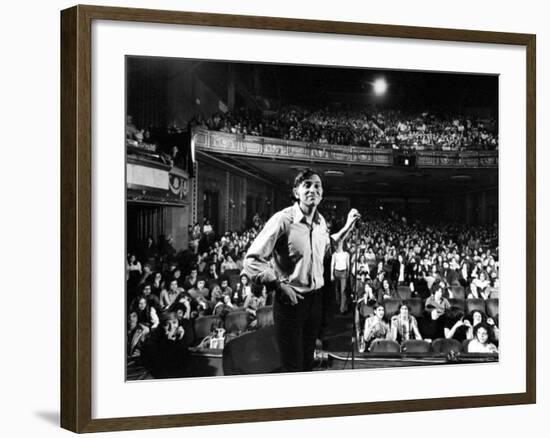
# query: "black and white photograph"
x,y
285,218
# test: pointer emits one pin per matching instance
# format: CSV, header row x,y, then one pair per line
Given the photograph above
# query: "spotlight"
x,y
380,86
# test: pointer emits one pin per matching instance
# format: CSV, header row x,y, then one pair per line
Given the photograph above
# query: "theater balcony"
x,y
228,144
152,180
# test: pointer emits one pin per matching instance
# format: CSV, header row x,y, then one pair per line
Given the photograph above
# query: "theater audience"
x,y
404,326
481,343
390,251
375,326
383,129
136,336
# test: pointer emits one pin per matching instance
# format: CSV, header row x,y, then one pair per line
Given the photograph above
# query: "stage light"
x,y
380,86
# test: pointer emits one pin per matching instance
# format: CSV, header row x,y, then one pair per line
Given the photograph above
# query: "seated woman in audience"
x,y
404,326
147,315
212,273
479,288
133,275
376,327
216,295
133,267
478,317
481,343
200,291
157,284
228,264
224,306
377,270
146,275
431,275
253,302
242,290
152,300
387,292
362,265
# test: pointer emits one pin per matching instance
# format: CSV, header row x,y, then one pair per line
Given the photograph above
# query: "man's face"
x,y
310,192
147,290
200,284
174,286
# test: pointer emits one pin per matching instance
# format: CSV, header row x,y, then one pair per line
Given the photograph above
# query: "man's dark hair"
x,y
303,175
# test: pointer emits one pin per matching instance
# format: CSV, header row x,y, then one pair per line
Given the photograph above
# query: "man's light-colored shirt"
x,y
289,250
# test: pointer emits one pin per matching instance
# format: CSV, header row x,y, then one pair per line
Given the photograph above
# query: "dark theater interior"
x,y
212,150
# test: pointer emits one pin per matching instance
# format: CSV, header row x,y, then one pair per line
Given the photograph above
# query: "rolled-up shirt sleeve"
x,y
256,263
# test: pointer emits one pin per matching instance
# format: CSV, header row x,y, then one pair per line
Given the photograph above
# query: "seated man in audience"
x,y
191,280
431,326
225,288
456,326
165,353
437,301
450,276
183,315
136,336
168,297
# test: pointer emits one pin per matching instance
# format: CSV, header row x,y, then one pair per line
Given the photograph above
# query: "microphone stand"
x,y
354,295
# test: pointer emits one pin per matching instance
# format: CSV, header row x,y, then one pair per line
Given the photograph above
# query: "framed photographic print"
x,y
270,210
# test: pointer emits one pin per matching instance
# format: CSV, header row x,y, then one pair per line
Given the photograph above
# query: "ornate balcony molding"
x,y
470,159
248,145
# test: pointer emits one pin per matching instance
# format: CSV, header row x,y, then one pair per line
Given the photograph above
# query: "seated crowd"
x,y
165,146
392,264
169,292
381,129
448,272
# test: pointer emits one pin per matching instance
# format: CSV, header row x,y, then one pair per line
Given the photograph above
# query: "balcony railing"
x,y
273,148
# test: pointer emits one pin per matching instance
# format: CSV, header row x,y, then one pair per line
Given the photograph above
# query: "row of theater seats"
x,y
234,322
441,345
238,321
489,307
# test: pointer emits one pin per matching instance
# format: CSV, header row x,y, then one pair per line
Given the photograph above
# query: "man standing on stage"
x,y
287,256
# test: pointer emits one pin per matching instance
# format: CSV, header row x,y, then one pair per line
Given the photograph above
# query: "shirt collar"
x,y
298,215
